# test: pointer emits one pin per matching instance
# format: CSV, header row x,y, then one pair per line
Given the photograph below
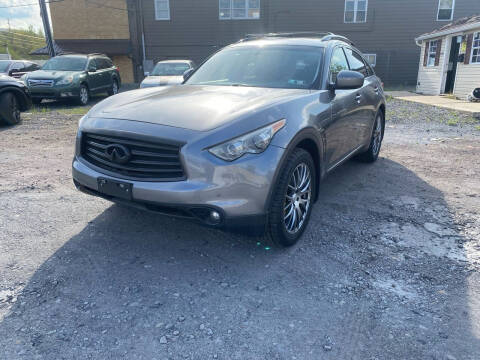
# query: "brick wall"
x,y
90,19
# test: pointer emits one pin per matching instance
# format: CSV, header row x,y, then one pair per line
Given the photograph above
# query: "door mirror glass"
x,y
187,74
347,79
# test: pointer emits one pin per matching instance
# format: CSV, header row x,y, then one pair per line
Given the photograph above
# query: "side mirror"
x,y
347,80
92,69
12,72
187,74
146,73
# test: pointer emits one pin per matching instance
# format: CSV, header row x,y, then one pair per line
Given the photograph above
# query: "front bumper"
x,y
55,92
239,191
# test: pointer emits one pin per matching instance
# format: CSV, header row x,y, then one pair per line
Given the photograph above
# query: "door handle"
x,y
358,98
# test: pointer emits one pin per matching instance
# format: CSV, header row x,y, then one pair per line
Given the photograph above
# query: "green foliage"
x,y
21,42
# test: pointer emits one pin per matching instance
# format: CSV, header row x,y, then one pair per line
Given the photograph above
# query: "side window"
x,y
108,63
93,63
356,62
101,64
31,67
18,66
337,63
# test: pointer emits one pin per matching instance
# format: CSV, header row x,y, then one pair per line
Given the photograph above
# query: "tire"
x,y
371,155
114,89
36,101
288,219
83,95
9,109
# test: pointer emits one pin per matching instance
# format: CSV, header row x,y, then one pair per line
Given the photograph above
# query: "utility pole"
x,y
46,27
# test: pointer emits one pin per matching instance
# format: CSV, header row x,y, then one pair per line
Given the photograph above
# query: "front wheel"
x,y
83,95
371,155
292,199
9,109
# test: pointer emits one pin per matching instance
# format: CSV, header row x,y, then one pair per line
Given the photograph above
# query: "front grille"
x,y
40,83
149,161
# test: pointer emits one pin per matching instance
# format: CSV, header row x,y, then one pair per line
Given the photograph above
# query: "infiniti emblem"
x,y
117,153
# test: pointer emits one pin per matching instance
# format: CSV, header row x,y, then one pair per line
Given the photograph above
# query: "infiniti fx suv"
x,y
246,140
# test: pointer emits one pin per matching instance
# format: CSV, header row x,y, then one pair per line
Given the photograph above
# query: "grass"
x,y
77,110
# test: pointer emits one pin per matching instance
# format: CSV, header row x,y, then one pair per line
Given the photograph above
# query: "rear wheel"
x,y
292,199
371,155
83,95
9,109
114,89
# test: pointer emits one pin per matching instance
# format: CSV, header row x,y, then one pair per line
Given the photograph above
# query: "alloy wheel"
x,y
377,136
15,109
115,88
297,199
84,95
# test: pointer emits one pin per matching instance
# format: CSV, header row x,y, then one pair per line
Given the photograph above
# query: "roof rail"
x,y
338,37
323,36
309,34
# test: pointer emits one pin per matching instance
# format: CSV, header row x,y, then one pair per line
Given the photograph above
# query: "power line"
x,y
31,4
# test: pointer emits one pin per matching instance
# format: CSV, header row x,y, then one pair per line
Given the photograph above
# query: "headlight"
x,y
253,143
65,81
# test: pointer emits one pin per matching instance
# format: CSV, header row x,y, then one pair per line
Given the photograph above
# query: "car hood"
x,y
50,74
162,80
193,107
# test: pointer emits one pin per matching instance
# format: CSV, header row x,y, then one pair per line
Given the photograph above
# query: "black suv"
x,y
74,77
17,68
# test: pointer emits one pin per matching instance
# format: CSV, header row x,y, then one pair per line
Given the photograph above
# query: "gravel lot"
x,y
389,267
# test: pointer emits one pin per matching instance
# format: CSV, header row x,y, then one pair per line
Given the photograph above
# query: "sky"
x,y
20,17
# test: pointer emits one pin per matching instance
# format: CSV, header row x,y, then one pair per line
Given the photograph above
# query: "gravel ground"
x,y
389,267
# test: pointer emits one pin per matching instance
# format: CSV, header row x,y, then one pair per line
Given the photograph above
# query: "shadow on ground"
x,y
369,281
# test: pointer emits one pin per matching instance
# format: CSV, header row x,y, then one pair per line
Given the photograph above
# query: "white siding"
x,y
468,78
430,78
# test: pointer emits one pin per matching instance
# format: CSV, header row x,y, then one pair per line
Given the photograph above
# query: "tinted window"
x,y
337,63
4,65
290,67
170,69
108,62
356,62
102,63
31,67
18,66
66,63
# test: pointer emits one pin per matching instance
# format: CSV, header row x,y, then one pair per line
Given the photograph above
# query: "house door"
x,y
452,64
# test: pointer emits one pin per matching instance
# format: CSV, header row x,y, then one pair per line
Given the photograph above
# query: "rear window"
x,y
170,69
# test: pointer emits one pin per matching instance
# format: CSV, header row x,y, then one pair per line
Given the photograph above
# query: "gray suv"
x,y
246,140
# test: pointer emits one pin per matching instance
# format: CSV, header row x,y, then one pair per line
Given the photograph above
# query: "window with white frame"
x,y
371,59
356,11
476,49
239,9
432,53
445,10
162,9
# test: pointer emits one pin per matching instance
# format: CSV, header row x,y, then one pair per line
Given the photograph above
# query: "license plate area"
x,y
115,188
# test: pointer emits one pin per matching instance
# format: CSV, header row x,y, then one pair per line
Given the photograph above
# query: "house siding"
x,y
194,30
429,81
467,79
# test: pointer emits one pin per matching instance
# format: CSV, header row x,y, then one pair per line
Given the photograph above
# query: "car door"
x,y
367,100
104,69
94,77
344,114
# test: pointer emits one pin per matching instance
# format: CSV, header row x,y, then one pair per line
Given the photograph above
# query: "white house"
x,y
450,59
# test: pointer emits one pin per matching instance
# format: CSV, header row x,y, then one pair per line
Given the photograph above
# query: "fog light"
x,y
215,217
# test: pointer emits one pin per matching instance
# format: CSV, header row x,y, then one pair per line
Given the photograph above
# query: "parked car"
x,y
169,72
74,77
245,142
17,68
14,98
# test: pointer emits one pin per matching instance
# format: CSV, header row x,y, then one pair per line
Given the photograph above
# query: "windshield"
x,y
4,65
65,63
170,69
290,67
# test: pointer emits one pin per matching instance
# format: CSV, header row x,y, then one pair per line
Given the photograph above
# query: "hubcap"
x,y
115,88
377,136
297,199
83,95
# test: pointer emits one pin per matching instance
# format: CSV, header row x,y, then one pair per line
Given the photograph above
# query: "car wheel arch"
x,y
309,140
